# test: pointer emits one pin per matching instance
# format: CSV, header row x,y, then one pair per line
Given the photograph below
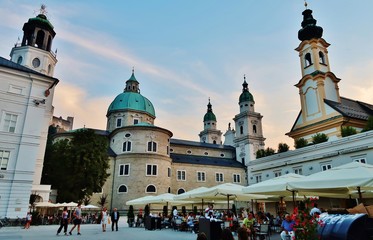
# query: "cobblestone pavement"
x,y
94,232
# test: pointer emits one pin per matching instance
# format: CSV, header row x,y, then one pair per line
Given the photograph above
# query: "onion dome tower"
x,y
34,51
318,84
248,123
210,134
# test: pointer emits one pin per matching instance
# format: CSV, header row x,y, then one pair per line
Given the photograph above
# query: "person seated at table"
x,y
287,228
226,234
190,220
248,224
242,234
209,211
201,236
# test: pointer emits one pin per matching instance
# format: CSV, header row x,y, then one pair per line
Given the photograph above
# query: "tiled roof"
x,y
199,144
351,108
204,160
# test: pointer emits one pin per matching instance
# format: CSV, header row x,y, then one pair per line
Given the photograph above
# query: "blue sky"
x,y
185,52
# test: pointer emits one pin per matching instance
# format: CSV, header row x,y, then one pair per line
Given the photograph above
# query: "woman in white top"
x,y
104,219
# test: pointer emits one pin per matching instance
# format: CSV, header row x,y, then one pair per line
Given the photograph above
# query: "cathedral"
x,y
145,159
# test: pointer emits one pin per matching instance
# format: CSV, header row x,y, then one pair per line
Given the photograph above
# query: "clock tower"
x,y
34,51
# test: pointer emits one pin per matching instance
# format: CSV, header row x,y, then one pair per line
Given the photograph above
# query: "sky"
x,y
185,52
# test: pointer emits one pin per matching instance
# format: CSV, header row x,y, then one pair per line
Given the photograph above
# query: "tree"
x,y
77,167
348,131
146,210
300,142
282,147
264,153
260,153
319,138
102,200
369,124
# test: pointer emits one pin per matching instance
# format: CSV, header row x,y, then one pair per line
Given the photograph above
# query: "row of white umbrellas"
x,y
59,205
349,180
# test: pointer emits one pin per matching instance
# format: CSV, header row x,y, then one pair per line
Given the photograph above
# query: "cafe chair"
x,y
264,230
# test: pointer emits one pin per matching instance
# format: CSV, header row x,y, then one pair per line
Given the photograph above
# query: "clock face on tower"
x,y
36,62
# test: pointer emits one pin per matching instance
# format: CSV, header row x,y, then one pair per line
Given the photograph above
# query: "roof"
x,y
199,144
347,108
131,101
12,65
351,108
204,160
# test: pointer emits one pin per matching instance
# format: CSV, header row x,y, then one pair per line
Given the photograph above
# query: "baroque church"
x,y
144,158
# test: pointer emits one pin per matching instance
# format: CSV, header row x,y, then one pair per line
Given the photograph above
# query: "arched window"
x,y
322,58
152,146
127,145
49,44
214,142
241,129
169,190
180,191
151,189
122,189
40,39
19,60
254,128
308,60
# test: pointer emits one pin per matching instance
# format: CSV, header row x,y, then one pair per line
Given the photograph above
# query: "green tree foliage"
x,y
282,147
348,131
319,138
260,153
369,125
146,210
265,152
300,142
77,167
130,216
102,200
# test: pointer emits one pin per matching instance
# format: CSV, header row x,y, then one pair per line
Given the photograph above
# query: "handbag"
x,y
108,220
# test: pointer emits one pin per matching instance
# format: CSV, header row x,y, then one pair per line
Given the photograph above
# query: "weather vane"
x,y
305,4
43,9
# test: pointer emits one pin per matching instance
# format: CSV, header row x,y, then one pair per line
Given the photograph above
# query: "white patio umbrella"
x,y
140,201
45,205
343,180
89,206
276,186
223,191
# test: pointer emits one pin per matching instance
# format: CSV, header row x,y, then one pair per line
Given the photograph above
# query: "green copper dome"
x,y
209,116
131,101
246,96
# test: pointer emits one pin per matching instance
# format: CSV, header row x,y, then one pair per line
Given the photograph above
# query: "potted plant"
x,y
130,216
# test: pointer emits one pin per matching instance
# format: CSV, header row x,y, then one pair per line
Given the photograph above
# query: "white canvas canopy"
x,y
276,186
90,206
140,201
342,180
46,205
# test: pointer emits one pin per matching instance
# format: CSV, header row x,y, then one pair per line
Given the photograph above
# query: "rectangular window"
x,y
119,122
127,146
298,171
181,175
135,121
151,170
168,172
152,146
236,178
326,167
219,177
277,174
4,159
258,178
10,121
360,160
201,177
124,170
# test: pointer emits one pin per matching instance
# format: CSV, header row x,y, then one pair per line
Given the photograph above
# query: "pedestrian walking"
x,y
114,219
64,221
104,219
77,218
28,220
